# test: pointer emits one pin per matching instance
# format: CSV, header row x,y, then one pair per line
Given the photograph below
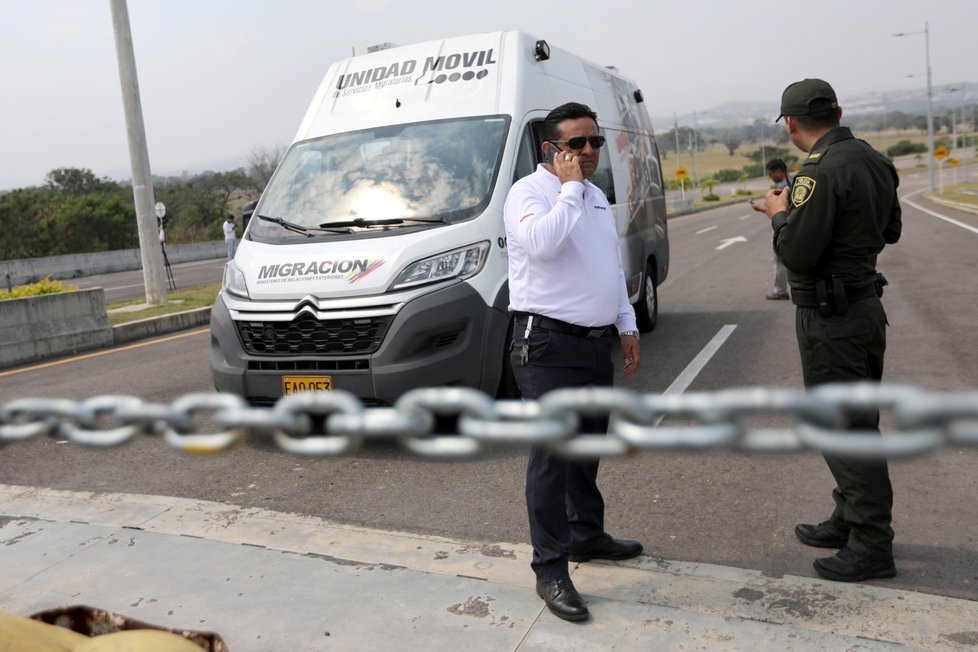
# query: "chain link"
x,y
337,423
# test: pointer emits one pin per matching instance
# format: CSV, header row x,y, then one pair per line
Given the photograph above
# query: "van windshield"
x,y
417,175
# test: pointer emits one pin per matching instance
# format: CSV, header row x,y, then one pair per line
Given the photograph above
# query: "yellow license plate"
x,y
294,384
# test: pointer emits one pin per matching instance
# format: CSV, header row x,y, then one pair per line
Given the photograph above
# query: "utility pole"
x,y
675,128
696,147
930,104
142,180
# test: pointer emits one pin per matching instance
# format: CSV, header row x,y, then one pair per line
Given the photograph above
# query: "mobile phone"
x,y
751,202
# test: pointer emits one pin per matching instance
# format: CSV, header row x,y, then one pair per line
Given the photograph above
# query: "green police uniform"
x,y
842,210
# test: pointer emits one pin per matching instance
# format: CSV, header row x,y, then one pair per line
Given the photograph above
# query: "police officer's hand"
x,y
567,167
776,201
630,354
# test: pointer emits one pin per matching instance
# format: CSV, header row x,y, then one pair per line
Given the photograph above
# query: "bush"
x,y
47,286
741,191
906,147
726,175
711,197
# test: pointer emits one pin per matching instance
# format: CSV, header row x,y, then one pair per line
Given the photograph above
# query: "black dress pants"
x,y
563,502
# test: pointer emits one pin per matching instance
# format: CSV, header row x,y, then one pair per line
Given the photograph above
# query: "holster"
x,y
830,294
879,283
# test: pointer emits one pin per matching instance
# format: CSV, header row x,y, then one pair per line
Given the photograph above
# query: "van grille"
x,y
306,335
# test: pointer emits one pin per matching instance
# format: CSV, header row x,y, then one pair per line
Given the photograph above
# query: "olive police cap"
x,y
807,96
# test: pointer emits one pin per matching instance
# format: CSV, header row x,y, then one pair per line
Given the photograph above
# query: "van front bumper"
x,y
443,338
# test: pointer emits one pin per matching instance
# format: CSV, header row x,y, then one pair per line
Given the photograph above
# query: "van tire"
x,y
647,307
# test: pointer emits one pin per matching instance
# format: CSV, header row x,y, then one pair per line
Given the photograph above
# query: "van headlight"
x,y
234,281
458,263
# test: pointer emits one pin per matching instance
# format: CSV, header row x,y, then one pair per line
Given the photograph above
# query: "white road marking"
x,y
729,241
709,228
935,213
685,379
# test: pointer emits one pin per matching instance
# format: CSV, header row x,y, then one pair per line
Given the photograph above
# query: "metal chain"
x,y
337,423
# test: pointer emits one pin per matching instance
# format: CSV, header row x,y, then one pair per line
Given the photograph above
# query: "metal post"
x,y
930,111
142,180
930,105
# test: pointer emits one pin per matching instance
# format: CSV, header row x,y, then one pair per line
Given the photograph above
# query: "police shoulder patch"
x,y
802,190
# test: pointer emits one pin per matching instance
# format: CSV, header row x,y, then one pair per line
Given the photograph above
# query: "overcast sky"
x,y
221,77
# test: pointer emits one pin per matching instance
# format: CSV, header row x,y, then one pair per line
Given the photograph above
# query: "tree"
x,y
92,222
732,144
770,152
77,181
262,163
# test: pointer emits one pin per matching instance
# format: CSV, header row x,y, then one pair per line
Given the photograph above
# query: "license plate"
x,y
294,384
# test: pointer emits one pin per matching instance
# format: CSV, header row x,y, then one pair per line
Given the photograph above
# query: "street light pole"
x,y
930,106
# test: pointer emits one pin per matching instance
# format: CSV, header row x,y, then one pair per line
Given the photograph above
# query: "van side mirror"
x,y
248,211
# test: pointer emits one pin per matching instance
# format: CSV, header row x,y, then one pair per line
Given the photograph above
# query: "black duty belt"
x,y
593,332
808,299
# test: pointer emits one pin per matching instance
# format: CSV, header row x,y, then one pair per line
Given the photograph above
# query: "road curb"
x,y
153,326
638,600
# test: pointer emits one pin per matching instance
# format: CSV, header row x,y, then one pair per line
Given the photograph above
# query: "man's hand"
x,y
567,166
630,354
775,201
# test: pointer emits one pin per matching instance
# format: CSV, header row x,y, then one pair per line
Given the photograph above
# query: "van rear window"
x,y
442,171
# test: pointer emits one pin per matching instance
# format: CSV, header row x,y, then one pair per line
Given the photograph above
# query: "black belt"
x,y
808,299
593,332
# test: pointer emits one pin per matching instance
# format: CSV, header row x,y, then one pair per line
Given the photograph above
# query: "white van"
x,y
375,261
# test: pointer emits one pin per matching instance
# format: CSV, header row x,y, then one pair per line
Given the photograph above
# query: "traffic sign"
x,y
953,162
681,173
795,167
940,152
160,209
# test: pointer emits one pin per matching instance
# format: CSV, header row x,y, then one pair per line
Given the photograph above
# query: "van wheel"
x,y
647,308
508,388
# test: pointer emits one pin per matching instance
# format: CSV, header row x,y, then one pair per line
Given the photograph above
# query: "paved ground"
x,y
271,581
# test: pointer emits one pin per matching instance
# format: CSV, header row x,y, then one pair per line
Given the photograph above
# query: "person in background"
x,y
229,236
778,173
567,295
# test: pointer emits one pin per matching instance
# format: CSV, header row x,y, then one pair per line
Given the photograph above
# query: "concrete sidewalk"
x,y
271,581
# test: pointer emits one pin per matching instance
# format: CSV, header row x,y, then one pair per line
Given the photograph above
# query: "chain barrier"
x,y
337,423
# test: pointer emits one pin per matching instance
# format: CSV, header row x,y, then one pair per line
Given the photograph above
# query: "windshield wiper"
x,y
362,223
292,226
395,221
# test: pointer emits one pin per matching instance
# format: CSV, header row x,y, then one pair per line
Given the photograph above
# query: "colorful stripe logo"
x,y
370,267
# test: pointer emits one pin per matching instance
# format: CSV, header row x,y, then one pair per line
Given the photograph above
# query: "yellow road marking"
x,y
87,356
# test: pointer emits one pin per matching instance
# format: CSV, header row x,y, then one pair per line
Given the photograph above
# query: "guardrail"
x,y
21,271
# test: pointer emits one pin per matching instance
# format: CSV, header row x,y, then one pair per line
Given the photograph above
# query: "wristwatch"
x,y
632,333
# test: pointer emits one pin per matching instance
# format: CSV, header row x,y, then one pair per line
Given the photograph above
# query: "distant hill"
x,y
735,114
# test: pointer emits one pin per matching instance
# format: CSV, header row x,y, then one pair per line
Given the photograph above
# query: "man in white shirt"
x,y
567,290
229,235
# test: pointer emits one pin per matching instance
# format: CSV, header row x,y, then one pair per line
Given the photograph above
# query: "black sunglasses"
x,y
577,142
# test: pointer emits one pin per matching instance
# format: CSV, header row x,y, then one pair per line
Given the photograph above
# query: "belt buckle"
x,y
595,333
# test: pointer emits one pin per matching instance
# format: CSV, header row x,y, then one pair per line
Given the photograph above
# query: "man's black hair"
x,y
776,164
569,111
821,119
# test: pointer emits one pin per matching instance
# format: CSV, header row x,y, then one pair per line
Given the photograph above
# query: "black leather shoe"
x,y
824,535
847,566
604,547
563,599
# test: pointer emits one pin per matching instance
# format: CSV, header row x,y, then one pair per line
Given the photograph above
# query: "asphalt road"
x,y
720,507
127,285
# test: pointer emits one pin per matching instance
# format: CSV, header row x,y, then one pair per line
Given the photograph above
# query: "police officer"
x,y
567,292
829,227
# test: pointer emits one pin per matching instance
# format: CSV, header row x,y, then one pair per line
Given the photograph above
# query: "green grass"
x,y
178,301
717,157
955,192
